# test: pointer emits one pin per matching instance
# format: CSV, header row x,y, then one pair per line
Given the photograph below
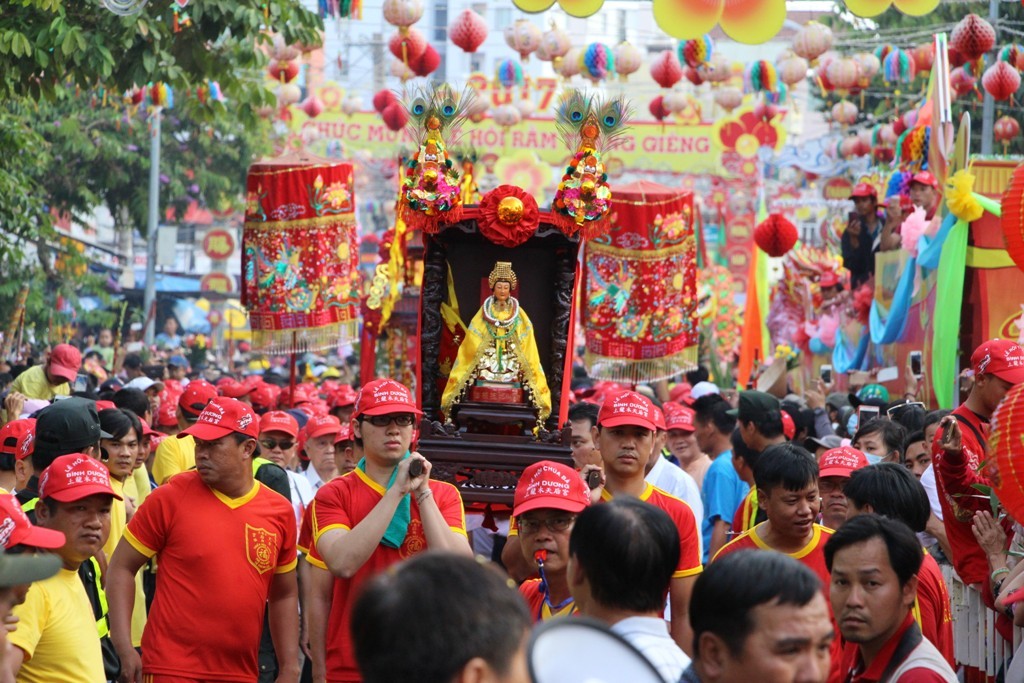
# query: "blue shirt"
x,y
722,493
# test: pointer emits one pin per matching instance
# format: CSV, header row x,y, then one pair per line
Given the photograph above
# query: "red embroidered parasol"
x,y
641,287
300,255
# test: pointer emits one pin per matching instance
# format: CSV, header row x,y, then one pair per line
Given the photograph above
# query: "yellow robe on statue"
x,y
481,347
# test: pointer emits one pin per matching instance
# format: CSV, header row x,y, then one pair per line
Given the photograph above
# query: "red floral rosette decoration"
x,y
508,216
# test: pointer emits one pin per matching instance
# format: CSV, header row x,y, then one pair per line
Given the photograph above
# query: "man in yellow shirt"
x,y
51,379
177,455
56,640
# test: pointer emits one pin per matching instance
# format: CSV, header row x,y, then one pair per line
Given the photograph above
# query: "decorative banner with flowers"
x,y
299,255
641,287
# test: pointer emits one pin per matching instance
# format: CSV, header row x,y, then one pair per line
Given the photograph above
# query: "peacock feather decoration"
x,y
431,188
593,126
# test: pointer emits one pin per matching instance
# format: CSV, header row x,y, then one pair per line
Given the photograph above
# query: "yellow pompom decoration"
x,y
960,197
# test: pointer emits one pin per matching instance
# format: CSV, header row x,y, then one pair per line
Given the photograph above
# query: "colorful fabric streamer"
x,y
948,303
890,329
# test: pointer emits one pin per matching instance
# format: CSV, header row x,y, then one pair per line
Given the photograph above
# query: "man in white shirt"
x,y
319,434
622,555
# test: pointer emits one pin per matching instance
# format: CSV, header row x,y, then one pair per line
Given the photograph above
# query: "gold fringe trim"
x,y
280,342
347,220
637,371
642,254
264,169
648,202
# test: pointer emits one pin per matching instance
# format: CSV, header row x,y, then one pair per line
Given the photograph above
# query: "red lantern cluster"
x,y
1001,81
666,69
468,30
775,235
1004,467
657,108
972,37
426,63
285,72
395,117
382,99
407,47
1005,129
961,82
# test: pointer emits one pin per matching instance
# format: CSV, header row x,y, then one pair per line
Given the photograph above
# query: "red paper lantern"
x,y
1000,81
395,117
883,155
776,235
1012,221
409,46
468,31
382,99
286,72
1005,129
955,58
1005,468
972,37
657,108
765,111
666,69
924,57
313,106
426,63
694,75
961,82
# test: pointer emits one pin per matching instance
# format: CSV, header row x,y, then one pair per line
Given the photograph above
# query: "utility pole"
x,y
153,226
988,111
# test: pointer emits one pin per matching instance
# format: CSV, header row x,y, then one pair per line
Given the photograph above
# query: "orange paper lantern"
x,y
1012,220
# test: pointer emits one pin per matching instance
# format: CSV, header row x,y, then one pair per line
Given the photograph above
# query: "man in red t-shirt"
x,y
225,545
874,562
961,445
372,518
625,436
890,490
548,497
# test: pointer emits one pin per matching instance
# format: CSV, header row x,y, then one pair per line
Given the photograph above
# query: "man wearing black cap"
x,y
760,419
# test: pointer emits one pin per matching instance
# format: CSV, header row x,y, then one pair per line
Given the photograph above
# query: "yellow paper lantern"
x,y
685,19
753,21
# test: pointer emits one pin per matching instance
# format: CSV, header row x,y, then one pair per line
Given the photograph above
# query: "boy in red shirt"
x,y
225,544
372,518
961,445
548,497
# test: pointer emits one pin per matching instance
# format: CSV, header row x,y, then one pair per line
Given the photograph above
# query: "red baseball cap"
x,y
197,394
223,416
840,462
17,437
864,190
16,529
659,418
383,397
343,396
829,279
279,421
549,484
925,178
74,477
264,395
346,434
627,408
233,388
321,425
680,393
105,405
678,416
65,360
167,415
788,426
285,401
1000,357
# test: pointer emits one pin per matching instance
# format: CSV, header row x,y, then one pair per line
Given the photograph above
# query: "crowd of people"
x,y
176,530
